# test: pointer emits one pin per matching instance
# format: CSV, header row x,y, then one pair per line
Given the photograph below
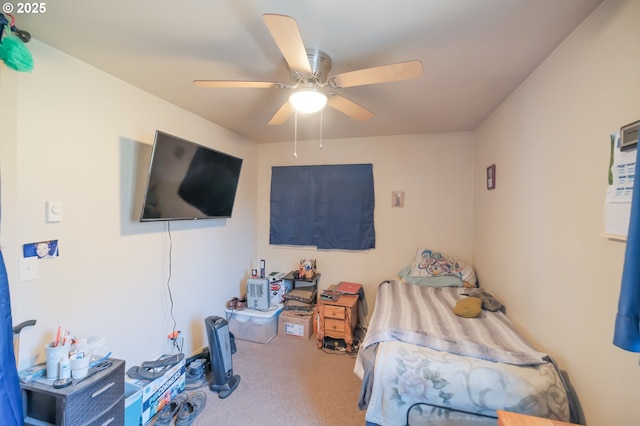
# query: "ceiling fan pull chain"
x,y
320,129
295,134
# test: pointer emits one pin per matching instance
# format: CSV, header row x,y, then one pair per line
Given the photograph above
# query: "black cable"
x,y
173,334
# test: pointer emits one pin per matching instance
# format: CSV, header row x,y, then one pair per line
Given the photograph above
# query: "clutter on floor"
x,y
191,408
254,326
157,391
183,408
181,381
295,324
151,370
169,411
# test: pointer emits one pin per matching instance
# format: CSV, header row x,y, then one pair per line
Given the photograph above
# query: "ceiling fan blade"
x,y
382,74
286,34
348,107
281,115
238,84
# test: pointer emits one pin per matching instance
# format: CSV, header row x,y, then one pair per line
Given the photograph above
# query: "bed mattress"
x,y
417,351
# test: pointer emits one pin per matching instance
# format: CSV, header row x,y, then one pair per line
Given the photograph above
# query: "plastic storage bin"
x,y
254,326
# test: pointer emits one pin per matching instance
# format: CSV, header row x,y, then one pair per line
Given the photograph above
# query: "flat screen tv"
x,y
187,181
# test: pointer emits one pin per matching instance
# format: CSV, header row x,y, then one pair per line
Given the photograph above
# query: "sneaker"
x,y
191,408
170,410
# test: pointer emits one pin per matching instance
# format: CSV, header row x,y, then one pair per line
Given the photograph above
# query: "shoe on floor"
x,y
140,373
164,361
191,408
165,416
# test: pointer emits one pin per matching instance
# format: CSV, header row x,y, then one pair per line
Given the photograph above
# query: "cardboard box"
x,y
132,404
254,326
295,324
159,392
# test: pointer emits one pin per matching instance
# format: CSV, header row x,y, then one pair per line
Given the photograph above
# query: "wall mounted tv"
x,y
187,181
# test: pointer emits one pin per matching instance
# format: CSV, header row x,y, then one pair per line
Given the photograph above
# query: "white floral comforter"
x,y
406,374
415,352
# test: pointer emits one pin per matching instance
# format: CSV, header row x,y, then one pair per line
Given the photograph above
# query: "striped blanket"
x,y
417,351
424,316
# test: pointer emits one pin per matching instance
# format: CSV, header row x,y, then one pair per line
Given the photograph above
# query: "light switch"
x,y
28,268
54,211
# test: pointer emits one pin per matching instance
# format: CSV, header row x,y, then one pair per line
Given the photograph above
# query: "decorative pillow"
x,y
469,307
429,263
489,303
441,281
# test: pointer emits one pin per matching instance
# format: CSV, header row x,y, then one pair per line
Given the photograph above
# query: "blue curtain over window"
x,y
10,396
327,206
627,327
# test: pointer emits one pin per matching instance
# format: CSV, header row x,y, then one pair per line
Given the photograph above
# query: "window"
x,y
326,206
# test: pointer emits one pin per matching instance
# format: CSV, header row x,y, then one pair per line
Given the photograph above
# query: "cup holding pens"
x,y
54,354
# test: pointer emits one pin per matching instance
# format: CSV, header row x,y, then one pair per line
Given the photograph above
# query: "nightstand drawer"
x,y
333,326
337,312
113,417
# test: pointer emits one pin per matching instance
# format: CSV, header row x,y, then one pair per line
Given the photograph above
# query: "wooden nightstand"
x,y
337,319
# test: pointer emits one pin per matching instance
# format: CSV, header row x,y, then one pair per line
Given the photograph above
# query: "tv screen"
x,y
187,181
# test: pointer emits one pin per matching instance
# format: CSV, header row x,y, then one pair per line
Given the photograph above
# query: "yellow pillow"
x,y
469,307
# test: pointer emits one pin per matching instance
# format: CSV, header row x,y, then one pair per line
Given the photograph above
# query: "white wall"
x,y
74,134
537,243
435,172
71,133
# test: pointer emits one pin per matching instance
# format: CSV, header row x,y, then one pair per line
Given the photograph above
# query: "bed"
x,y
420,363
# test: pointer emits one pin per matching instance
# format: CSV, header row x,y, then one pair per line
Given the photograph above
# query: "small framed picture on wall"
x,y
397,199
491,177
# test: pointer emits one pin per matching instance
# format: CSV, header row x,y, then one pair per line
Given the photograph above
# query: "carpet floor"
x,y
287,382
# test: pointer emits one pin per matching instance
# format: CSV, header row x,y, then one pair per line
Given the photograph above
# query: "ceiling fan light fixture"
x,y
308,100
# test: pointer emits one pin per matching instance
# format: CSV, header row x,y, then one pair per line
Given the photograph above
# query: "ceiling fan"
x,y
309,70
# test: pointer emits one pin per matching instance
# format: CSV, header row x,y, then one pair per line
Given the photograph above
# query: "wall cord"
x,y
174,334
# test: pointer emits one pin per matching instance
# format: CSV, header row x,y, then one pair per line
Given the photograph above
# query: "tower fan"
x,y
224,381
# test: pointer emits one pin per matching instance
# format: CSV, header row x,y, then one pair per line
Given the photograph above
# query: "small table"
x,y
337,319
